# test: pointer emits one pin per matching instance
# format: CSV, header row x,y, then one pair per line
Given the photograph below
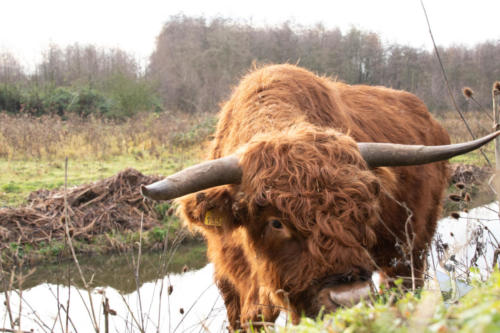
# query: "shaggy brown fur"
x,y
296,136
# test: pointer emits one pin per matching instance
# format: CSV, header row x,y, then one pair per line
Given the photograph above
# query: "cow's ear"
x,y
208,209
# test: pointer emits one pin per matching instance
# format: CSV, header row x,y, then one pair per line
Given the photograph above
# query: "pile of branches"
x,y
114,203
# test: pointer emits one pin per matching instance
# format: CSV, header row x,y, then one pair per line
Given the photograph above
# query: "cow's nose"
x,y
350,293
344,295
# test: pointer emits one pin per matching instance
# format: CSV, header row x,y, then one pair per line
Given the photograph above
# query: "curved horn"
x,y
222,171
391,154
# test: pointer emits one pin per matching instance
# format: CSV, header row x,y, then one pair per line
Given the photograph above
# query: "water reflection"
x,y
44,306
117,271
470,240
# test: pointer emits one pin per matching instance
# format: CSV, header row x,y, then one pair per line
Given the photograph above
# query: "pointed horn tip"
x,y
146,193
494,135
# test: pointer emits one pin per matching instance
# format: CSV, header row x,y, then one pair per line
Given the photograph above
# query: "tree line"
x,y
82,79
196,61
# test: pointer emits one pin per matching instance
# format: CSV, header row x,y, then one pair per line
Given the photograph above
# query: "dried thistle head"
x,y
468,92
496,87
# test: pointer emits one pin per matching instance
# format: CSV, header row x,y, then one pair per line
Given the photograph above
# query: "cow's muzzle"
x,y
346,294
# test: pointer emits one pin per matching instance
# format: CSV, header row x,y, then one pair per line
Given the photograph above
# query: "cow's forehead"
x,y
269,212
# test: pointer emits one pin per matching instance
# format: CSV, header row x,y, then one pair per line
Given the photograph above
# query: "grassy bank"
x,y
18,178
480,125
33,150
32,157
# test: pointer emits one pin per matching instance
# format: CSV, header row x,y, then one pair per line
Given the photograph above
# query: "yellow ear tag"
x,y
213,218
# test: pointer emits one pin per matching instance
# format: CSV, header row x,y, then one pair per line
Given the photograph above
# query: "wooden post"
x,y
105,310
494,93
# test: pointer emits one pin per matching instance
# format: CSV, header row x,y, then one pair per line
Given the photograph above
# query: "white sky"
x,y
28,26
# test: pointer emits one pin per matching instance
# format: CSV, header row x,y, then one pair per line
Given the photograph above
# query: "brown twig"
x,y
495,257
91,208
15,330
73,254
137,280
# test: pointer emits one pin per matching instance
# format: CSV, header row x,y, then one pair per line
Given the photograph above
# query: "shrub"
x,y
158,234
10,98
59,100
130,96
199,132
33,101
88,101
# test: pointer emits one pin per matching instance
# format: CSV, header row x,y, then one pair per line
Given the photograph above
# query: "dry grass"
x,y
32,150
25,137
51,137
478,122
480,125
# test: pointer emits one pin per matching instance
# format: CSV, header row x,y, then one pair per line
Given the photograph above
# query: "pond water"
x,y
194,304
470,240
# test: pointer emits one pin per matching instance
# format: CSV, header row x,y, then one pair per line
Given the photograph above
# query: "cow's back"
x,y
279,96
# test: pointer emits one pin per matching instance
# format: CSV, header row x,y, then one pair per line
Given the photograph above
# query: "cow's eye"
x,y
276,224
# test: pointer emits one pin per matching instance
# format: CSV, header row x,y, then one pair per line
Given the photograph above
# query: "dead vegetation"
x,y
51,137
469,174
112,204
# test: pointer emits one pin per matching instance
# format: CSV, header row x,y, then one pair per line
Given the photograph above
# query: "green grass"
x,y
475,157
19,178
